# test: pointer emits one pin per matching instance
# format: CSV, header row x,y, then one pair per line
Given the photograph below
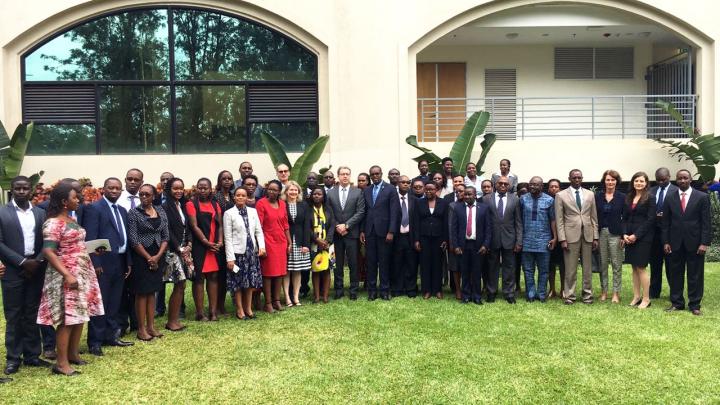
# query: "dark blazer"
x,y
381,217
450,197
483,225
12,242
411,202
670,189
329,222
178,232
690,228
79,213
301,228
508,231
426,224
99,223
354,211
615,221
640,221
141,231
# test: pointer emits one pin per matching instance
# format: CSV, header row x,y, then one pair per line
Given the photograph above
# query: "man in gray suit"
x,y
506,239
661,190
348,208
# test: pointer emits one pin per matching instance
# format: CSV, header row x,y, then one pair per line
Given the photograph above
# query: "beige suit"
x,y
578,227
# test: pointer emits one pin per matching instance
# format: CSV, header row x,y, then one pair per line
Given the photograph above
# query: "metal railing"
x,y
622,116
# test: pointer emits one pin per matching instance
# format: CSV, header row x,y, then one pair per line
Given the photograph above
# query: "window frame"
x,y
172,82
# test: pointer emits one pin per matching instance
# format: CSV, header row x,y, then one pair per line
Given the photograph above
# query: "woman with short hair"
x,y
610,204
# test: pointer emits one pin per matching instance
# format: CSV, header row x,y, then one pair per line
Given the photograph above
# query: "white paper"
x,y
93,245
236,268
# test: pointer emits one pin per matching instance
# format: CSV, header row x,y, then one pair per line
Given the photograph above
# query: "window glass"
x,y
213,46
62,140
135,119
126,46
210,119
296,136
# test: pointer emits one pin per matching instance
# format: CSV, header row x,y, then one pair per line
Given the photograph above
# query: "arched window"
x,y
169,80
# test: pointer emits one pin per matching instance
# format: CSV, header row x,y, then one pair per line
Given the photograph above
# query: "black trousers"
x,y
505,259
431,265
680,260
657,259
470,263
21,300
378,263
345,248
403,274
112,287
47,334
126,317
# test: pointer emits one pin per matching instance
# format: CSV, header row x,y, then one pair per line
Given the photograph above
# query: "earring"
x,y
64,206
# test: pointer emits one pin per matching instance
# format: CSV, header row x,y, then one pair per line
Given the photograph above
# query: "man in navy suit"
x,y
403,275
470,240
21,241
381,201
105,219
662,189
687,233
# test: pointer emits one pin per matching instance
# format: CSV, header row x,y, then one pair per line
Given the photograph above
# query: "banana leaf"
x,y
485,145
434,161
275,149
304,164
4,137
18,146
35,179
465,142
675,114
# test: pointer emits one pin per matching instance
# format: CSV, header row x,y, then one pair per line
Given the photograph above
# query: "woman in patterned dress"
x,y
300,221
71,294
244,243
323,232
273,217
179,238
224,197
148,237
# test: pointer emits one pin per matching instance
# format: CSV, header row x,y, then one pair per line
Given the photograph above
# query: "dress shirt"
x,y
122,248
404,229
687,195
27,223
477,184
125,200
573,189
327,189
473,225
505,199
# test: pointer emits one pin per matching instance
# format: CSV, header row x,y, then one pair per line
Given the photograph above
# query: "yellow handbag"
x,y
321,261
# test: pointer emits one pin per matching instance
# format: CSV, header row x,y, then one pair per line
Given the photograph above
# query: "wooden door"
x,y
441,118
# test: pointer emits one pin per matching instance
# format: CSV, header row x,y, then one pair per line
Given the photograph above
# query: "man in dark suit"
x,y
106,219
348,206
21,241
686,233
507,237
470,238
457,181
403,276
662,189
381,219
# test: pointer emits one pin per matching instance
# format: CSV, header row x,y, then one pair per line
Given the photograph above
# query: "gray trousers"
x,y
613,254
580,249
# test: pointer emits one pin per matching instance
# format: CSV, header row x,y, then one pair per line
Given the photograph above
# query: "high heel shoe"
x,y
268,308
56,370
278,306
635,303
646,306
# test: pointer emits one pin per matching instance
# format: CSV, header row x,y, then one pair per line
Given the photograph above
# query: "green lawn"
x,y
413,351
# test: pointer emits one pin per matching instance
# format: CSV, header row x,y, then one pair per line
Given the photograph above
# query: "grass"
x,y
412,351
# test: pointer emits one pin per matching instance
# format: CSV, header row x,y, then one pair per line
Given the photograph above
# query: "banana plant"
x,y
303,165
462,147
702,150
12,154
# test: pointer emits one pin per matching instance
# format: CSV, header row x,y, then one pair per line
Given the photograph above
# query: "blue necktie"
x,y
118,223
376,190
660,200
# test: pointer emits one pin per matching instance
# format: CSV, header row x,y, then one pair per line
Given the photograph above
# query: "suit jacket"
x,y
450,197
99,223
572,223
12,241
381,217
483,225
179,232
354,211
615,220
301,227
427,224
411,203
508,230
329,222
79,213
670,189
235,234
691,228
641,220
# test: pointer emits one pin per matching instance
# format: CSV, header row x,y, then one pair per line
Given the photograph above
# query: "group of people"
x,y
248,240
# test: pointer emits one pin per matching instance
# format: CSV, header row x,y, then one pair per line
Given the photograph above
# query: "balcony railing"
x,y
625,116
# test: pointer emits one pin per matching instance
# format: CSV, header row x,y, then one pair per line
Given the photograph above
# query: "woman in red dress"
x,y
274,220
205,217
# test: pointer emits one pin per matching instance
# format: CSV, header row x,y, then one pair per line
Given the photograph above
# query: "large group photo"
x,y
324,201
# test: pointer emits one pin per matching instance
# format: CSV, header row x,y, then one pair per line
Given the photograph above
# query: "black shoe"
x,y
490,298
510,300
372,296
12,368
119,343
4,380
385,297
414,295
465,300
56,370
353,297
671,308
478,301
95,350
530,300
542,300
339,294
37,363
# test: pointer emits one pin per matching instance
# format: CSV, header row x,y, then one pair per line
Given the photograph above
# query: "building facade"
x,y
187,86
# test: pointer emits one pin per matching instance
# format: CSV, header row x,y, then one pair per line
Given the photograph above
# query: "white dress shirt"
x,y
477,184
27,223
404,229
125,200
687,194
122,248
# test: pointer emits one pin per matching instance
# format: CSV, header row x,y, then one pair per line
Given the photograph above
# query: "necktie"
x,y
577,199
376,190
660,200
501,206
682,202
343,198
405,220
118,222
468,227
132,201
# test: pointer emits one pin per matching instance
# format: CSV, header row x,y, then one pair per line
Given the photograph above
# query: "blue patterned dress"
x,y
249,275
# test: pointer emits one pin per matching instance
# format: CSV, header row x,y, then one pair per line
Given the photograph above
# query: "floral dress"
x,y
250,275
60,305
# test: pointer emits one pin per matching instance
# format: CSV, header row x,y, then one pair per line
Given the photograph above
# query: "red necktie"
x,y
468,228
682,202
